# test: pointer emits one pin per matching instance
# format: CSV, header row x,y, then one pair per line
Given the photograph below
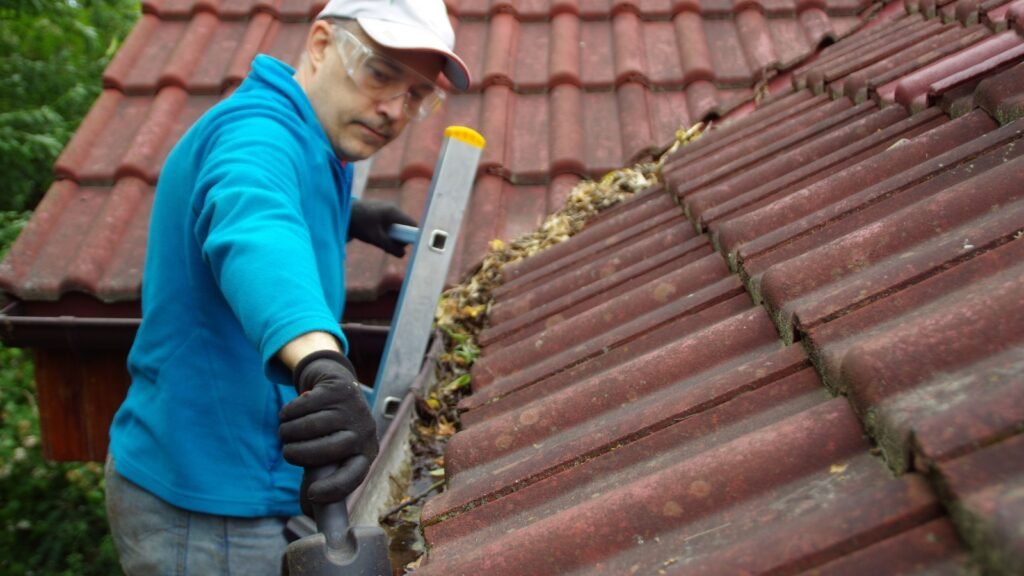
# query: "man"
x,y
243,292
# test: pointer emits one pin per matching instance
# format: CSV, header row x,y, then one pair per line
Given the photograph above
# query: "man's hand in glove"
x,y
328,425
371,220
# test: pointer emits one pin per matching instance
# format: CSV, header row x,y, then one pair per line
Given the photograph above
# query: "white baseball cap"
x,y
406,25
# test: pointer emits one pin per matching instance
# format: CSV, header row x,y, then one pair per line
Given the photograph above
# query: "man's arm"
x,y
329,425
252,233
297,349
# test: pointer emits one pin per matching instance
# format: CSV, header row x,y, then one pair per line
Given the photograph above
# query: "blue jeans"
x,y
156,538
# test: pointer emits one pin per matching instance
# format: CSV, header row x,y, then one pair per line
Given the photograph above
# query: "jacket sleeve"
x,y
252,234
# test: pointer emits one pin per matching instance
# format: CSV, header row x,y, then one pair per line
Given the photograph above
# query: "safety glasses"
x,y
383,79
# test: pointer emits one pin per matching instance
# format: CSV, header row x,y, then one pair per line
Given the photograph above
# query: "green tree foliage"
x,y
52,56
52,518
11,224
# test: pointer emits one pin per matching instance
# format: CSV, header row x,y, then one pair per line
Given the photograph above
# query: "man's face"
x,y
357,124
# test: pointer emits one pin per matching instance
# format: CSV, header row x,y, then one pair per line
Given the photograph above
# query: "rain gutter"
x,y
92,332
379,492
64,331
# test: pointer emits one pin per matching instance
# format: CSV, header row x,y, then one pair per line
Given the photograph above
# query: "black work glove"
x,y
371,220
328,425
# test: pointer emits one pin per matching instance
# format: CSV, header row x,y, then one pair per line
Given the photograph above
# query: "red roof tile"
x,y
836,389
913,90
985,487
932,548
563,89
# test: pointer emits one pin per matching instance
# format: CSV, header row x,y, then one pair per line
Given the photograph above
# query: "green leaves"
x,y
52,518
11,224
466,353
52,57
458,384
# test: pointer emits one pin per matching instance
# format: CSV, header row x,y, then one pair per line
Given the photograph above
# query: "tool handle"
x,y
332,518
403,233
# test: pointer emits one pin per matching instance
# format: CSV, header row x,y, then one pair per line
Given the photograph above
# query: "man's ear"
x,y
318,42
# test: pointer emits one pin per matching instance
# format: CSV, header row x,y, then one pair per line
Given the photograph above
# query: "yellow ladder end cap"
x,y
467,135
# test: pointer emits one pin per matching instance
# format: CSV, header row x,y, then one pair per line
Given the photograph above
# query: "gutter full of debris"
x,y
404,476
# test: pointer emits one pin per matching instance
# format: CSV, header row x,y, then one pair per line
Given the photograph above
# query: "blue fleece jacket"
x,y
246,251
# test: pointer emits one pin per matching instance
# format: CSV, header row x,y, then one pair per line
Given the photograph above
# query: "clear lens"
x,y
384,79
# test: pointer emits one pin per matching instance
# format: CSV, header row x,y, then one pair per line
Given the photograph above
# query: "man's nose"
x,y
393,108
